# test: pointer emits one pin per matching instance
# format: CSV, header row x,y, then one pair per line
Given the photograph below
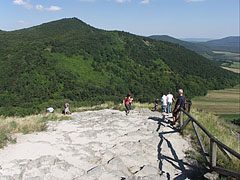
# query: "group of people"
x,y
166,101
66,110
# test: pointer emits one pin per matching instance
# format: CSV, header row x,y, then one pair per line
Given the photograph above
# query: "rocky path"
x,y
99,145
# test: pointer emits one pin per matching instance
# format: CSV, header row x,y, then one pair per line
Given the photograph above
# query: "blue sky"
x,y
177,18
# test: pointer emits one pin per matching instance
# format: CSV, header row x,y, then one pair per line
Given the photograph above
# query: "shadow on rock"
x,y
186,170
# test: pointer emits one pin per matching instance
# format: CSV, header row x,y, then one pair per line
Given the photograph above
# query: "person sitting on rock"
x,y
67,111
50,109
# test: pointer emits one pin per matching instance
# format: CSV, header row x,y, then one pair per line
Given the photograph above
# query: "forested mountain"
x,y
68,60
228,44
198,48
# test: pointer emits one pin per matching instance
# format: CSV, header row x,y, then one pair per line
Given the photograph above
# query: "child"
x,y
156,104
67,111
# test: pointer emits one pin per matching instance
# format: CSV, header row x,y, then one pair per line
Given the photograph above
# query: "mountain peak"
x,y
67,23
58,27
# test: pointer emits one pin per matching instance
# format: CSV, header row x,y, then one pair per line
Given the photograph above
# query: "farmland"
x,y
224,103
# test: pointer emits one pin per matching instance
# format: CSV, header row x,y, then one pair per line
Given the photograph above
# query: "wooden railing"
x,y
211,157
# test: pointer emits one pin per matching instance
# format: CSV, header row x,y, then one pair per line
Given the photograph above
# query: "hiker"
x,y
179,104
50,109
170,100
164,103
66,111
127,101
156,104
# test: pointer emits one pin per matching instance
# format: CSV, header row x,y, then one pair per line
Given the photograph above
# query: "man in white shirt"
x,y
50,109
164,103
170,100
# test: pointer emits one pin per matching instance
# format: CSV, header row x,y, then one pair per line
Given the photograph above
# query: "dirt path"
x,y
99,145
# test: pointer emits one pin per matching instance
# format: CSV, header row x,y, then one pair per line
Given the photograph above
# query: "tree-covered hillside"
x,y
196,47
228,44
70,60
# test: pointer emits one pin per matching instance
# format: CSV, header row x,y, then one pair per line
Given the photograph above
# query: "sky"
x,y
177,18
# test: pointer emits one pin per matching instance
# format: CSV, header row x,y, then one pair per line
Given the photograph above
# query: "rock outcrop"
x,y
99,145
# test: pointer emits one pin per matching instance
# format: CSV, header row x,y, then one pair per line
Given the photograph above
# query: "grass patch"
x,y
235,65
25,125
229,117
37,123
225,132
224,103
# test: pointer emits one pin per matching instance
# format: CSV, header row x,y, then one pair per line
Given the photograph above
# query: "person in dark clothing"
x,y
156,104
179,104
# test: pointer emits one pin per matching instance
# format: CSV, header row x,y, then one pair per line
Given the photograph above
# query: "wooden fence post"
x,y
213,153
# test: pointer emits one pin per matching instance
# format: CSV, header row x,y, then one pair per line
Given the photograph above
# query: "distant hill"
x,y
198,48
228,44
68,60
196,39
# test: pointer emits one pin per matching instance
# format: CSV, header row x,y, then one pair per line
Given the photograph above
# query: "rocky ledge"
x,y
99,145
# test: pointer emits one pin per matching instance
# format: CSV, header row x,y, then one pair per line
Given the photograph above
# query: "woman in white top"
x,y
164,103
170,100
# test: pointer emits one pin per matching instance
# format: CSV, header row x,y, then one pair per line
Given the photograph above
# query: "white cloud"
x,y
53,8
24,23
195,0
122,1
23,3
144,2
39,7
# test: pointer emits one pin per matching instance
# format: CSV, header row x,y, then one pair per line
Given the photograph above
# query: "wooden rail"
x,y
211,157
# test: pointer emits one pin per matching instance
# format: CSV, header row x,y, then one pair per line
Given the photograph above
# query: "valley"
x,y
223,103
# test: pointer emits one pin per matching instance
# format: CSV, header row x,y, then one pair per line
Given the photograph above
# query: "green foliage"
x,y
236,121
196,47
68,60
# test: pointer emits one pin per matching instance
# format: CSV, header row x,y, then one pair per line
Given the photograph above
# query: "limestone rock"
x,y
98,145
118,164
147,171
97,171
6,178
211,176
35,178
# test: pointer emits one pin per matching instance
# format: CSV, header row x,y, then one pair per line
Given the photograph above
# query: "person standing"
x,y
179,104
164,103
127,102
156,105
170,100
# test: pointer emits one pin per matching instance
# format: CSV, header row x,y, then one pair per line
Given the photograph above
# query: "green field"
x,y
226,56
235,65
224,103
